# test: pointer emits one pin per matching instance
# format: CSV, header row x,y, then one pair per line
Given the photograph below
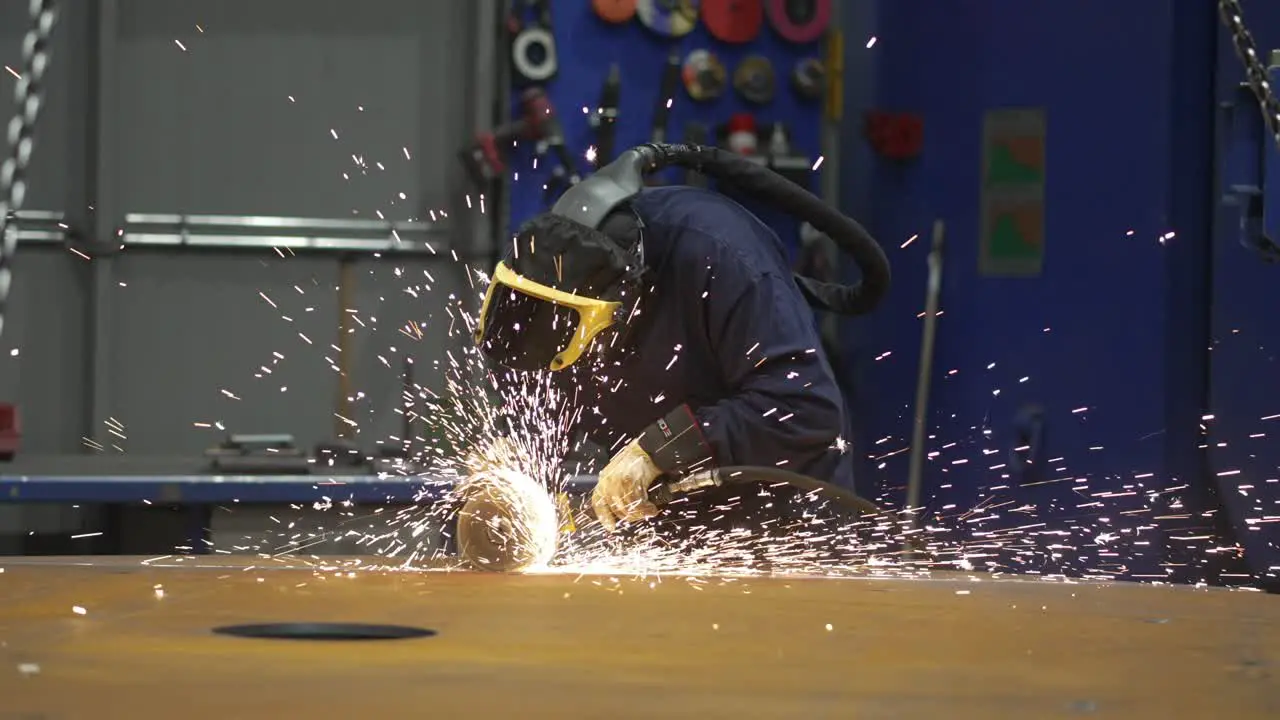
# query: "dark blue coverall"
x,y
726,332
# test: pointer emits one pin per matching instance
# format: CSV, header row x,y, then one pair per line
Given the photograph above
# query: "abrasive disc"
x,y
533,52
733,21
703,75
669,18
808,78
754,79
615,12
799,21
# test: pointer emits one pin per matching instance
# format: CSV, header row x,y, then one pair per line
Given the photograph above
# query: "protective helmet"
x,y
571,279
562,288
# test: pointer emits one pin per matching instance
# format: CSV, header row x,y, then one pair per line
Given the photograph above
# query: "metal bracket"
x,y
1251,158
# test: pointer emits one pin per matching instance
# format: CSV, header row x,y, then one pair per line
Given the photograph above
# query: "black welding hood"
x,y
573,274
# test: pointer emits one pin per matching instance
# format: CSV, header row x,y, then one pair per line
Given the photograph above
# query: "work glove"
x,y
622,492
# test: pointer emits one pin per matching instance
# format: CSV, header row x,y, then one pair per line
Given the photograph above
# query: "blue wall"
x,y
1244,449
587,46
1110,340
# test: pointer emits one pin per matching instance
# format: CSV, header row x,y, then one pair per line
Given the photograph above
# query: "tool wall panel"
x,y
586,49
1073,363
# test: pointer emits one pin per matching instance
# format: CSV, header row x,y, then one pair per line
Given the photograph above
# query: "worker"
x,y
673,321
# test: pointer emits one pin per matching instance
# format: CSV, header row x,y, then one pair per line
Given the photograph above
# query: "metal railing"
x,y
238,232
307,234
41,226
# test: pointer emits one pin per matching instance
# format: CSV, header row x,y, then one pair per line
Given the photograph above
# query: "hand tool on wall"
x,y
565,173
799,21
733,21
897,136
695,133
754,79
605,118
614,12
666,96
668,18
741,135
703,75
563,176
783,157
484,157
924,379
533,45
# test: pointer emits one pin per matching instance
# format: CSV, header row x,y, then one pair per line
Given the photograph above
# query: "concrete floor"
x,y
112,638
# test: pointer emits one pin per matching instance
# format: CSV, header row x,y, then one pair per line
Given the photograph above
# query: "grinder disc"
x,y
733,21
669,18
488,535
799,21
754,79
703,75
533,52
615,12
808,78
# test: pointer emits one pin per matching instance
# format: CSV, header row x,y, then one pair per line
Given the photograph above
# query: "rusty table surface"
x,y
112,637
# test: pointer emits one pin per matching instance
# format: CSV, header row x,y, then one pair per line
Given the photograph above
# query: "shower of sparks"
x,y
1066,523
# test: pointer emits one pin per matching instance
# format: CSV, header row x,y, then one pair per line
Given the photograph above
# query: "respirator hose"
x,y
766,185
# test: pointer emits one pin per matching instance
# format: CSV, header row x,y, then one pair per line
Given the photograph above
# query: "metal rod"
x,y
346,286
924,382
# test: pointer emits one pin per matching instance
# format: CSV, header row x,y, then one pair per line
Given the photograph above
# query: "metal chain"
x,y
27,95
1255,68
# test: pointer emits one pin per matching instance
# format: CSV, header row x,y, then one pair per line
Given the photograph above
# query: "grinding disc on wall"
x,y
533,53
809,78
733,21
669,18
703,75
615,12
754,79
799,21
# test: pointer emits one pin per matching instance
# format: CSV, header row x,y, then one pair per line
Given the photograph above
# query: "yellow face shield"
x,y
526,325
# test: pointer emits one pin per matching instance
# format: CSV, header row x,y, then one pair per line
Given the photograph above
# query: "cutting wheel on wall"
x,y
533,54
799,21
733,21
754,79
703,75
808,78
669,18
614,12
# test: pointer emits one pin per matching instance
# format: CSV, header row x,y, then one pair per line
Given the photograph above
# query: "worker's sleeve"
x,y
784,408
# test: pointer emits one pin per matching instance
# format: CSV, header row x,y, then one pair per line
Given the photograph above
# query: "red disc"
x,y
614,11
800,21
733,21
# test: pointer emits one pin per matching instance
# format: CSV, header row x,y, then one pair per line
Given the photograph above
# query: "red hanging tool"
x,y
897,136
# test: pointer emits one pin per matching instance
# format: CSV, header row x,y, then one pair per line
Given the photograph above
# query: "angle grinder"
x,y
510,523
